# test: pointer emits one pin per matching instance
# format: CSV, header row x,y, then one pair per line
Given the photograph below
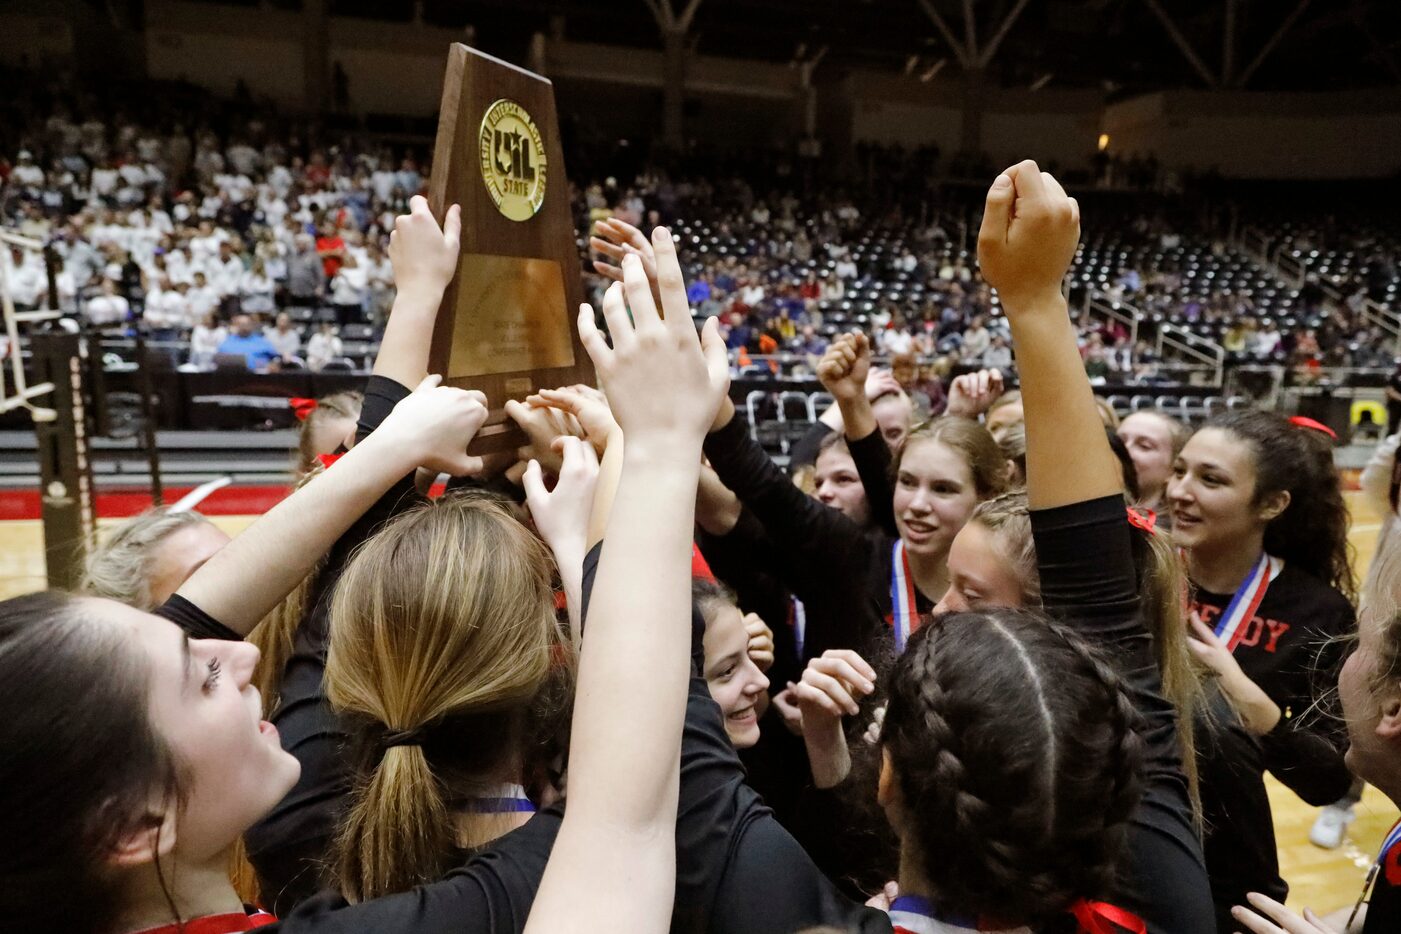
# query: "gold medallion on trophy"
x,y
513,160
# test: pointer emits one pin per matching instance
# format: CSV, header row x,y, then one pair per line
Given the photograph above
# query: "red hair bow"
x,y
1104,918
302,407
1147,520
1303,421
328,459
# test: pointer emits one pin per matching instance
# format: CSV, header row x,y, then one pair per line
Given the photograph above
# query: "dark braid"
x,y
1017,757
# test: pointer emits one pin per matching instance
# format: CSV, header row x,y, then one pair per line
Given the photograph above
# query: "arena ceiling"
x,y
1119,45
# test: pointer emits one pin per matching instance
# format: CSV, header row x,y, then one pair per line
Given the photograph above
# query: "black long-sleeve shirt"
x,y
840,570
1088,578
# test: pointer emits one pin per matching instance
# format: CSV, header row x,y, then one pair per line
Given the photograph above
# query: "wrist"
x,y
1043,301
663,451
419,297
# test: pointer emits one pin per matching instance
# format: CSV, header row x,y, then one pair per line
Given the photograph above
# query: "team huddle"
x,y
1018,668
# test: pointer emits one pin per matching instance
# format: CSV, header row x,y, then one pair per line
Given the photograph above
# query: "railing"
x,y
1201,353
23,394
1256,245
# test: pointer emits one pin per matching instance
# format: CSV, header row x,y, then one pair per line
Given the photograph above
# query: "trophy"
x,y
506,325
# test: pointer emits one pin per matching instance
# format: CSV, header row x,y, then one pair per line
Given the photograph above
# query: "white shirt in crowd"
x,y
894,342
204,343
203,300
322,349
107,309
288,343
167,308
224,275
255,292
28,282
348,287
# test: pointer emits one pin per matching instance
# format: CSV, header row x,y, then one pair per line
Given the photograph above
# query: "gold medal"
x,y
513,160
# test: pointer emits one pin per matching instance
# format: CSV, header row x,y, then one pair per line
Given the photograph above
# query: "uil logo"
x,y
512,160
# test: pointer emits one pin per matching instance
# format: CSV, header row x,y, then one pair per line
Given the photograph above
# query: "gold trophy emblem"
x,y
513,160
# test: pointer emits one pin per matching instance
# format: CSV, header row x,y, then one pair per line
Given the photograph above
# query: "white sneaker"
x,y
1330,826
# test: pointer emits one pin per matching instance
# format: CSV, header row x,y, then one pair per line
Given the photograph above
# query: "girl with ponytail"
x,y
444,638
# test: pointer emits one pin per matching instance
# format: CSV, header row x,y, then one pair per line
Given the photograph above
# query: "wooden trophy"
x,y
507,322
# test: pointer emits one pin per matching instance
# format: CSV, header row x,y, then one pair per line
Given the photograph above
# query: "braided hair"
x,y
1017,759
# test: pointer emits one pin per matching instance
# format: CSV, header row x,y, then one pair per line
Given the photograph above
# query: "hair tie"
x,y
1104,918
302,407
1147,520
388,739
1303,421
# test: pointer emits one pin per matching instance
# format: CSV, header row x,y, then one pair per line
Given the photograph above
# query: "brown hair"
x,y
1162,585
443,632
1013,744
969,439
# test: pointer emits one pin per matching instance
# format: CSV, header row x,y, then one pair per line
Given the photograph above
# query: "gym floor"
x,y
1324,880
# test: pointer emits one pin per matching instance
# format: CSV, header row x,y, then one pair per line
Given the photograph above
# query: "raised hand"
x,y
971,394
760,641
587,405
1028,237
433,426
615,239
880,382
424,255
561,515
663,383
543,426
845,365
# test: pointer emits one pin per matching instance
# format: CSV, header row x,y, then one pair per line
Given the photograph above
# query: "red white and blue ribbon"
x,y
1389,857
911,914
903,615
1231,626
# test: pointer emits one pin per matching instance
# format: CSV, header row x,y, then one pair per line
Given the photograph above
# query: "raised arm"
x,y
1028,238
251,574
424,258
616,848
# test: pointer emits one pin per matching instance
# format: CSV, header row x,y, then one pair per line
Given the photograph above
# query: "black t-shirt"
x,y
839,570
1085,559
1293,649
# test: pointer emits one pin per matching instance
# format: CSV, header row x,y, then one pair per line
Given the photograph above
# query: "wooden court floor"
x,y
1321,879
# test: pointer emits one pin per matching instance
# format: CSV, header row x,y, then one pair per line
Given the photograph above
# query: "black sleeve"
x,y
803,452
872,457
825,543
381,395
1307,760
1084,555
196,622
729,847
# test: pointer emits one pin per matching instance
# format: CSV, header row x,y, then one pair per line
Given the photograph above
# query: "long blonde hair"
x,y
443,633
1162,583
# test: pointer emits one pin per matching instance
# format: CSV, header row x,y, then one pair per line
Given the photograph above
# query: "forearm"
x,y
717,507
828,755
645,566
1061,415
857,417
403,353
250,575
